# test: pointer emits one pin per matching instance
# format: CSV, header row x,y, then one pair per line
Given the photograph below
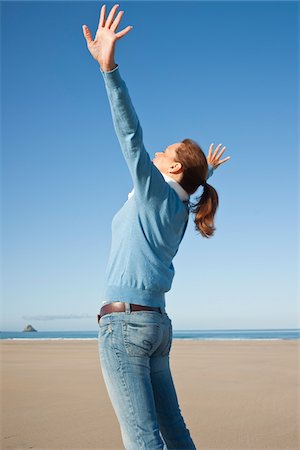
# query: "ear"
x,y
176,168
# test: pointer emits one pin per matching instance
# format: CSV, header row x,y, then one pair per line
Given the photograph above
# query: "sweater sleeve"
x,y
148,182
210,171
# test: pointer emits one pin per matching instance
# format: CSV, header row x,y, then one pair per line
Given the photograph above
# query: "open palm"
x,y
103,46
213,158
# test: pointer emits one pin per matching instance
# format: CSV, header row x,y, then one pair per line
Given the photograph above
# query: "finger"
x,y
123,32
117,21
224,160
87,34
216,151
111,16
210,151
221,152
102,16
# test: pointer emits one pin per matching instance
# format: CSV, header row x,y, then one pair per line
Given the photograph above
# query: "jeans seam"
x,y
140,442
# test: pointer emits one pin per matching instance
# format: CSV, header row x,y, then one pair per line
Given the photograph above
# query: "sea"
x,y
195,335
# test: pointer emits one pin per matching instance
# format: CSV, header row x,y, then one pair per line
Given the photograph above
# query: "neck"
x,y
174,176
184,196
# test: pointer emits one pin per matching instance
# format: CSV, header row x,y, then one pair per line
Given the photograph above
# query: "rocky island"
x,y
29,328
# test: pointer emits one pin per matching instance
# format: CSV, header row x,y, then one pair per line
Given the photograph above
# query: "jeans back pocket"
x,y
141,339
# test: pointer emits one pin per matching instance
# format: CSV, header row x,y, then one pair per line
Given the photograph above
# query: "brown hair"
x,y
195,172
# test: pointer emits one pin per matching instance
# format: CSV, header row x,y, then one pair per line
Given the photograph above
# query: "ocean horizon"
x,y
217,335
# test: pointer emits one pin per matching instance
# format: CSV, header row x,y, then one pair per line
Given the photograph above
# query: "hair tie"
x,y
204,184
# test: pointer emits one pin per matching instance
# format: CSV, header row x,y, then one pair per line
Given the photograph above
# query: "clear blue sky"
x,y
222,72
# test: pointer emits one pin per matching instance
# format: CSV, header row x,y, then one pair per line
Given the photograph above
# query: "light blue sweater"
x,y
147,230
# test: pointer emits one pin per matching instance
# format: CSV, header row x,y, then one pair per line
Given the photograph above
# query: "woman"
x,y
135,332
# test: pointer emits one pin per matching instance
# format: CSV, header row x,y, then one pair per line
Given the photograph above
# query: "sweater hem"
x,y
144,297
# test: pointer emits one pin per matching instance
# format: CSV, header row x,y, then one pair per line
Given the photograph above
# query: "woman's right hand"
x,y
102,48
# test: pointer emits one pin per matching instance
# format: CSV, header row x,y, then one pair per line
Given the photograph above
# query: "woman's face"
x,y
166,161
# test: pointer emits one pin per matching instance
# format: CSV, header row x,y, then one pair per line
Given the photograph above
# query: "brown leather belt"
x,y
120,307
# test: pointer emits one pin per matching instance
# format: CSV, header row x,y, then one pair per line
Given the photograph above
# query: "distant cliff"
x,y
29,328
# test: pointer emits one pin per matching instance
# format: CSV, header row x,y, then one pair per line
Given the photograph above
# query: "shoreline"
x,y
174,339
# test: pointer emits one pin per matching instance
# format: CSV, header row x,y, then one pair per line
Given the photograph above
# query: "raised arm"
x,y
147,179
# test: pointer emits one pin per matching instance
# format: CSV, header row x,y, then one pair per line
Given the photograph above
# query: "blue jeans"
x,y
134,352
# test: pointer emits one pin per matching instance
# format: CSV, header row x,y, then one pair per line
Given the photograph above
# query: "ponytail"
x,y
204,209
195,170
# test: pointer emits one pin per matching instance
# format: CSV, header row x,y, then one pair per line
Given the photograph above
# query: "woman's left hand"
x,y
214,158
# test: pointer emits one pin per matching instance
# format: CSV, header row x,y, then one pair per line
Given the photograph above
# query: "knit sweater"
x,y
147,230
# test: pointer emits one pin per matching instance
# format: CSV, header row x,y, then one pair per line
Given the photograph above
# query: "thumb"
x,y
87,34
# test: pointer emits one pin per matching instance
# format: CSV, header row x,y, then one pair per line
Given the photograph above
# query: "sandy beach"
x,y
233,395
